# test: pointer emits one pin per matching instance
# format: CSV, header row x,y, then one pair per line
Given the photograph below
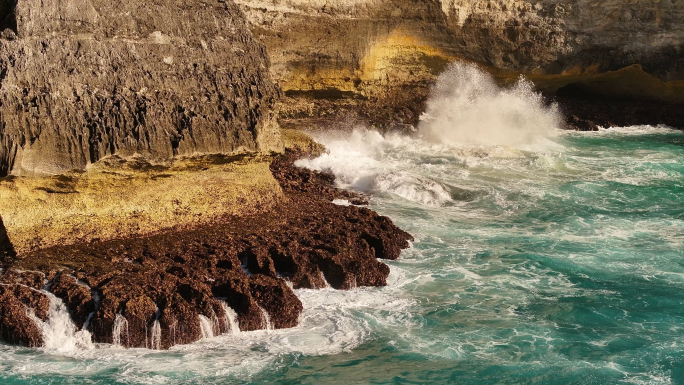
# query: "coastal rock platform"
x,y
163,287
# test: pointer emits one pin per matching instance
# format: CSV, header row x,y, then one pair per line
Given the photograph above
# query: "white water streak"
x,y
265,319
206,327
230,319
59,332
119,330
155,336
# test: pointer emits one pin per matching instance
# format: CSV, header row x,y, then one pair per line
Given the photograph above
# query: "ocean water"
x,y
541,256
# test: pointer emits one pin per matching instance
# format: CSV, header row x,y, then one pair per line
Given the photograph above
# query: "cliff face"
x,y
81,80
380,56
551,36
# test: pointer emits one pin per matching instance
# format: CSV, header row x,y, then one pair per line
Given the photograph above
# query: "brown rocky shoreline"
x,y
174,277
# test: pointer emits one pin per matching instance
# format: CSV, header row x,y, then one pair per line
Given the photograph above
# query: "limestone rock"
x,y
374,60
81,80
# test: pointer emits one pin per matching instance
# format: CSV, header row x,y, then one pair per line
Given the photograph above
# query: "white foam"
x,y
466,107
59,332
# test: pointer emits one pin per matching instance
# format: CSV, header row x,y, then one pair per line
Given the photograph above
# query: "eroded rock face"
x,y
554,36
80,80
124,291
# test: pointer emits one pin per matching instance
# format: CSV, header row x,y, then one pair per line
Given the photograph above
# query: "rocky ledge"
x,y
167,289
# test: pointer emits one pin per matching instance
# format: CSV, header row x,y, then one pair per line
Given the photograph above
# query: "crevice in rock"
x,y
7,253
8,17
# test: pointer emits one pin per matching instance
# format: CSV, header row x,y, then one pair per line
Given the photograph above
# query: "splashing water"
x,y
206,327
59,332
466,107
560,265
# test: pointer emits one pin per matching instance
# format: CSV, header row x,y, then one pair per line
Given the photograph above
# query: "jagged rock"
x,y
16,326
81,80
77,298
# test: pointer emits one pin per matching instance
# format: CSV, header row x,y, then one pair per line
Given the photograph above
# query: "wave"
x,y
467,107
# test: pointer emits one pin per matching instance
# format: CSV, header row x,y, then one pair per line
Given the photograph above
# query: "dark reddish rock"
x,y
173,278
16,326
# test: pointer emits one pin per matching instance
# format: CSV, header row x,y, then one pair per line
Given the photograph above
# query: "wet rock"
x,y
16,303
159,286
77,297
85,80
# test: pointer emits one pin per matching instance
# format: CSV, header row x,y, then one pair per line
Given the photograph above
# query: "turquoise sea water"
x,y
557,265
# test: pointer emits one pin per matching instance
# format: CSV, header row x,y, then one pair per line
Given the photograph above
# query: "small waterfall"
x,y
120,327
265,319
96,301
59,331
325,281
230,319
215,323
206,326
156,336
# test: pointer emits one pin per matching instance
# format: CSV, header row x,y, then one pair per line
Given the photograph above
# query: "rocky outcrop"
x,y
376,59
156,291
81,80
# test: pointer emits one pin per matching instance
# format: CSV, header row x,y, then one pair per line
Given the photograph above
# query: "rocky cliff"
x,y
377,58
81,80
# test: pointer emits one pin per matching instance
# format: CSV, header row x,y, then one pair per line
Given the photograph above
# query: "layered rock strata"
x,y
82,80
118,198
167,281
376,59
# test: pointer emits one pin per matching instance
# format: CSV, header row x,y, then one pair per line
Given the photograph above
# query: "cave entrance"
x,y
8,18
